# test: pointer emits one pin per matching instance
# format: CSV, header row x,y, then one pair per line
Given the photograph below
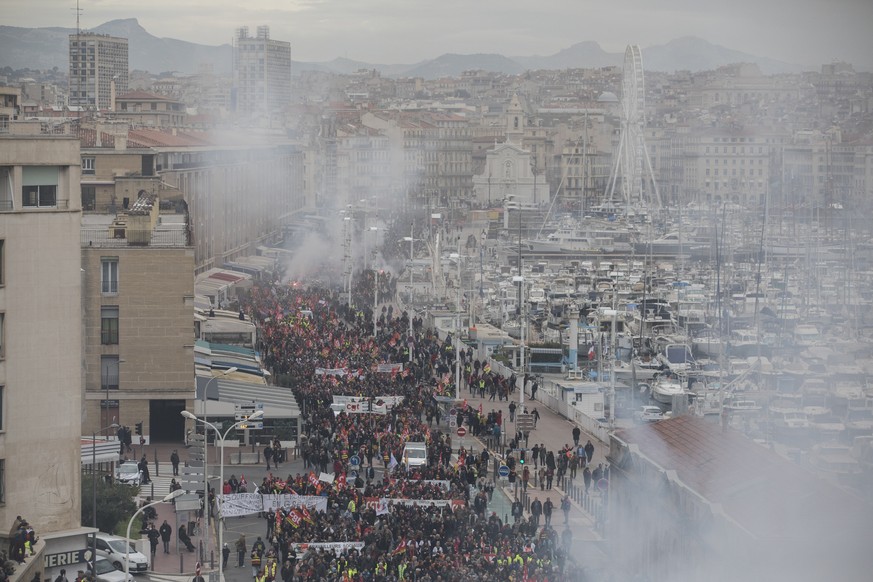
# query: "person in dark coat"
x,y
153,536
166,532
174,460
185,539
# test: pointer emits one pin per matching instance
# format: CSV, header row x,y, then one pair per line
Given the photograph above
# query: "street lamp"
x,y
94,484
255,416
411,240
364,236
117,364
458,326
521,324
169,497
230,370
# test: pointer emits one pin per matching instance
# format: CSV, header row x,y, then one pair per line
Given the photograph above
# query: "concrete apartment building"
x,y
261,72
138,311
238,188
41,331
145,109
98,70
10,106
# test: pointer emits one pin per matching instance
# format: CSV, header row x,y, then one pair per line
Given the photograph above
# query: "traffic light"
x,y
521,460
139,428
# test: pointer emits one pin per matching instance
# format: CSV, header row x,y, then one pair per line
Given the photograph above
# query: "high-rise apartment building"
x,y
98,69
261,72
40,338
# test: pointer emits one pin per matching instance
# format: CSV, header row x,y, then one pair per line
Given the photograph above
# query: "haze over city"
x,y
807,32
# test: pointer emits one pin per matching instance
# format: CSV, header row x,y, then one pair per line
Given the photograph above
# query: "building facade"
x,y
98,70
138,308
40,334
261,72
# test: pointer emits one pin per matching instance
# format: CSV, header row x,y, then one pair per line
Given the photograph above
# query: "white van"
x,y
415,454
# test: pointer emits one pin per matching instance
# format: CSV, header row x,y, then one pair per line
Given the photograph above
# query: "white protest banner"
x,y
336,547
382,506
286,500
325,477
331,371
389,368
238,504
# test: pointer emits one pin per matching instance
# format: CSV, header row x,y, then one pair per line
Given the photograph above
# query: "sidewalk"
x,y
553,431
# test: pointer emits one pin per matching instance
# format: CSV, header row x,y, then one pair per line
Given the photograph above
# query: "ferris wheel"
x,y
633,168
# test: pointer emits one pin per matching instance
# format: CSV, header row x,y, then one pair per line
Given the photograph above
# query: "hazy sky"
x,y
406,31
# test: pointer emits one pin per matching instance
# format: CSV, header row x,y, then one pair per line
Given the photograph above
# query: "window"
x,y
2,396
39,186
109,325
2,262
88,165
89,198
109,275
109,372
2,480
2,336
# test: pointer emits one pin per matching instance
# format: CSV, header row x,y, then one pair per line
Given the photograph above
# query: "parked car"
x,y
128,473
104,571
113,549
648,414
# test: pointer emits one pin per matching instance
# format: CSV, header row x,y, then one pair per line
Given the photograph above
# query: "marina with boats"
x,y
775,345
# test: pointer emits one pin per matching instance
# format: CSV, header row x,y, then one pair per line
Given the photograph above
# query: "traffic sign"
x,y
503,471
352,476
524,422
453,421
603,484
354,461
462,431
453,412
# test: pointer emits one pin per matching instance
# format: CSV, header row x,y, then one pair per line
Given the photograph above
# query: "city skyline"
x,y
806,32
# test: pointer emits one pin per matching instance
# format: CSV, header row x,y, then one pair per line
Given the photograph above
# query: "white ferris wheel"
x,y
632,169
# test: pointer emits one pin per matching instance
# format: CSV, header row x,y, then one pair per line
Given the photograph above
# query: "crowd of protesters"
x,y
328,348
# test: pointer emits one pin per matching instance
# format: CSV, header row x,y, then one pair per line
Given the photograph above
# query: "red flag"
x,y
307,517
401,547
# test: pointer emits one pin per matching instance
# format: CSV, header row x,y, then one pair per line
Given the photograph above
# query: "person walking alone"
x,y
166,532
241,550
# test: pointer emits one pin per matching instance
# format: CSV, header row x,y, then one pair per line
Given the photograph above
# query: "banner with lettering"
x,y
336,547
238,504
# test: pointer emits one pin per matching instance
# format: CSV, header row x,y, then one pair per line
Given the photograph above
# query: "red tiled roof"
x,y
228,277
768,495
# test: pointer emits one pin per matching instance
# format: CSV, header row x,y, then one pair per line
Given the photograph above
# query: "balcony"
x,y
117,238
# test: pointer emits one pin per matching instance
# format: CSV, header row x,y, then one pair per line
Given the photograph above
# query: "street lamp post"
x,y
117,365
411,255
366,257
230,370
169,497
255,416
521,324
375,300
94,484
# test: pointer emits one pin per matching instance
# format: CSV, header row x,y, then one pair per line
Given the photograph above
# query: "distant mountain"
x,y
452,65
44,48
153,54
586,54
695,54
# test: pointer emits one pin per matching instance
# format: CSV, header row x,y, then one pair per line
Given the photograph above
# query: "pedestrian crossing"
x,y
157,489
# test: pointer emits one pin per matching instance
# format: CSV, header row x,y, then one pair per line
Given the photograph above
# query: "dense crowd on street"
x,y
328,348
